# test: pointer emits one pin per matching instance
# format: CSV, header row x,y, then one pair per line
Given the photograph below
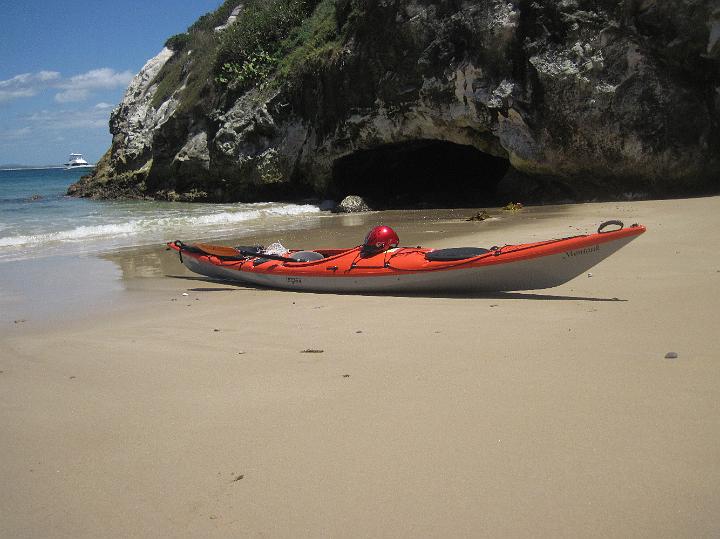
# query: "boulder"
x,y
352,204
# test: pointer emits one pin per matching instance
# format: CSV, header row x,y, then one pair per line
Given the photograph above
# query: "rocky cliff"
x,y
410,100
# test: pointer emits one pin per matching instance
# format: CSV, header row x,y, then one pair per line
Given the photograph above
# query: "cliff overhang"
x,y
415,101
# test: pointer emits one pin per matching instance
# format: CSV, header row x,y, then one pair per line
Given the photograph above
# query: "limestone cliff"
x,y
386,98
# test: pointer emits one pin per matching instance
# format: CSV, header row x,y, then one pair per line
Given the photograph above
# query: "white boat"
x,y
76,161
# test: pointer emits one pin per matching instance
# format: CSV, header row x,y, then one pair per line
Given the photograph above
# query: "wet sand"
x,y
145,412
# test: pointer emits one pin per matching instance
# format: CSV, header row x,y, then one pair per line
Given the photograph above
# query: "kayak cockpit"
x,y
455,253
306,256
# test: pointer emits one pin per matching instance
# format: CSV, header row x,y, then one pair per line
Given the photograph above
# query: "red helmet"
x,y
381,238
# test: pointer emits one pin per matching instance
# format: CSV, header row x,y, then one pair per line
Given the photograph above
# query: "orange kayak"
x,y
525,266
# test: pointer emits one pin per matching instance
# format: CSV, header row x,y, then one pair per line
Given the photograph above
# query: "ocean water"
x,y
38,220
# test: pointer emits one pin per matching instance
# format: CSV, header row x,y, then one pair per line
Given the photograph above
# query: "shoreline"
x,y
552,412
80,286
39,293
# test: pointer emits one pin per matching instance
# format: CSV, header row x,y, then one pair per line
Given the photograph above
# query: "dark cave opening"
x,y
432,173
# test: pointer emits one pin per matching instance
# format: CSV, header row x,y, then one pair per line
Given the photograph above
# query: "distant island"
x,y
15,166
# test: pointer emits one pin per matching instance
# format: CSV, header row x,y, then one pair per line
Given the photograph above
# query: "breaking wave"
x,y
125,226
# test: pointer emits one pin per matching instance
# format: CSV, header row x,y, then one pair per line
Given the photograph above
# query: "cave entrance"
x,y
419,173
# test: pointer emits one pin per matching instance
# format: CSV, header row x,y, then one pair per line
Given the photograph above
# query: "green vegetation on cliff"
x,y
250,49
268,37
284,37
312,42
195,55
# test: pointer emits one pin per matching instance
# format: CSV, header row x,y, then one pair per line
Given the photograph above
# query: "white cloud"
x,y
47,75
65,120
9,95
102,78
79,87
76,88
26,84
11,135
72,95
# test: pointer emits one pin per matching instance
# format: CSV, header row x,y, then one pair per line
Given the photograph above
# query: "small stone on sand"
x,y
671,355
311,351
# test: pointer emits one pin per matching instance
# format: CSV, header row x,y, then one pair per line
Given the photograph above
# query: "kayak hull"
x,y
518,267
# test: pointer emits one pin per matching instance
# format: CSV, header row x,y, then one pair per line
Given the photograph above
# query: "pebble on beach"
x,y
479,216
311,351
671,355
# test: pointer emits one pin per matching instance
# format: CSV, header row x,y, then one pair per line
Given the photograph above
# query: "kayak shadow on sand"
x,y
488,295
227,286
536,296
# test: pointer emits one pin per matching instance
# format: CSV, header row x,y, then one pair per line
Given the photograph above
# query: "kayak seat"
x,y
306,256
454,253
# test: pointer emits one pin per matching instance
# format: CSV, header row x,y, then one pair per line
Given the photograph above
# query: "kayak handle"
x,y
608,223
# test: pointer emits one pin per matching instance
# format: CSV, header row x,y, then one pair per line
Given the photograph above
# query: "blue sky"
x,y
65,65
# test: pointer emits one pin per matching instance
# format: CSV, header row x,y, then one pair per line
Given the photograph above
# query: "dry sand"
x,y
549,413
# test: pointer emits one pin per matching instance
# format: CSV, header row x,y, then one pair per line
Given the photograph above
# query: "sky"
x,y
65,65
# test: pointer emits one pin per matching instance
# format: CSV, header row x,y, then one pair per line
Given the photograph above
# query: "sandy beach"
x,y
129,409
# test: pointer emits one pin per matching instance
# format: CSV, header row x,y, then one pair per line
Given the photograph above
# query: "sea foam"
x,y
135,227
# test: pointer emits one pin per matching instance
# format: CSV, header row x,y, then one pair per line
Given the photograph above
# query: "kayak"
x,y
527,266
